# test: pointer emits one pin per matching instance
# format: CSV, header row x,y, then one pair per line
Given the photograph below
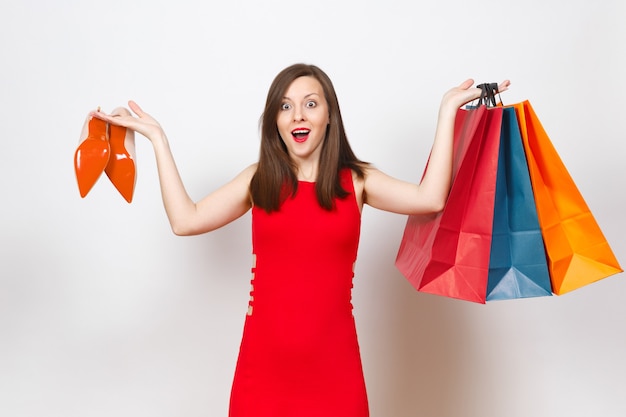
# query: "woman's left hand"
x,y
464,93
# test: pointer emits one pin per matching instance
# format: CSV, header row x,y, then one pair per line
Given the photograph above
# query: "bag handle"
x,y
488,94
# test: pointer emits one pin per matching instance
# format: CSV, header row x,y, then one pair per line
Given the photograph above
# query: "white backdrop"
x,y
103,311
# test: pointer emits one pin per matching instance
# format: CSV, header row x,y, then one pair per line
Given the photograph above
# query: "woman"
x,y
299,355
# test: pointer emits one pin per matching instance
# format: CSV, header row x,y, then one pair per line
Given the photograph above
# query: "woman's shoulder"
x,y
248,172
366,170
360,172
244,177
251,169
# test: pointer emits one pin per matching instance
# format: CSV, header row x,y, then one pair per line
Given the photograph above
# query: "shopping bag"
x,y
419,234
448,253
517,267
578,253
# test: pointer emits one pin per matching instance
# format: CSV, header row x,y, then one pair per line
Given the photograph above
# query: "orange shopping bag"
x,y
578,253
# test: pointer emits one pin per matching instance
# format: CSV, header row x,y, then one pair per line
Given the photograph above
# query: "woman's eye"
x,y
311,104
285,106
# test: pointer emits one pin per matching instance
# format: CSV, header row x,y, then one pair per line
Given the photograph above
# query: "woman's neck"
x,y
308,171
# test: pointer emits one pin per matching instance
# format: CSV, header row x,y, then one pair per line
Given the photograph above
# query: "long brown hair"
x,y
276,175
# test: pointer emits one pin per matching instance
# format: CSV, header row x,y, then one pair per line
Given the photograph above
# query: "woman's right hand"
x,y
142,123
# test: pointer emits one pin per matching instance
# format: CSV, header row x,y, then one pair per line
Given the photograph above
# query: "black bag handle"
x,y
488,94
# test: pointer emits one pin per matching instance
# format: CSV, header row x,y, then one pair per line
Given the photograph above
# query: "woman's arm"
x,y
186,217
387,193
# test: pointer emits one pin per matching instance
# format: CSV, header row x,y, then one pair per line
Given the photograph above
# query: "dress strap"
x,y
345,178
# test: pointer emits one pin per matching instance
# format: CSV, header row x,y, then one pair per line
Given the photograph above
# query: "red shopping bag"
x,y
448,253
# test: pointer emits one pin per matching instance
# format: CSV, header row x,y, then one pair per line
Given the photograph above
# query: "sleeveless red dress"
x,y
299,355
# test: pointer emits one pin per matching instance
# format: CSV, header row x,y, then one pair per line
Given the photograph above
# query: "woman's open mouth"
x,y
300,135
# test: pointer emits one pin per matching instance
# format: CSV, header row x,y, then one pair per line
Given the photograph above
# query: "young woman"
x,y
299,354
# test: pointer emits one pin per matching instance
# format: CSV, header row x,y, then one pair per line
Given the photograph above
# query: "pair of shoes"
x,y
107,148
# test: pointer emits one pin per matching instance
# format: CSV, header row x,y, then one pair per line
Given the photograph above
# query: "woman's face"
x,y
303,118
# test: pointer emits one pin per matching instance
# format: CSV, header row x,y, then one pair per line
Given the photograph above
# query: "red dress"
x,y
299,354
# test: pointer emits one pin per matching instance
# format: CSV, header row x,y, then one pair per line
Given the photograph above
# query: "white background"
x,y
104,312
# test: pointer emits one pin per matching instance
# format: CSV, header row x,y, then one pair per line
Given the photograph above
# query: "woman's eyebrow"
x,y
306,96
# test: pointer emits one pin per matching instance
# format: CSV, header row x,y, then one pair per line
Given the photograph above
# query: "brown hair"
x,y
276,177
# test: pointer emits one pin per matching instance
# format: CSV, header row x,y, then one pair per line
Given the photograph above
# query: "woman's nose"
x,y
298,115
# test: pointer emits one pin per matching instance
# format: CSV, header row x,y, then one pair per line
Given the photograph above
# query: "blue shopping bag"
x,y
518,265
